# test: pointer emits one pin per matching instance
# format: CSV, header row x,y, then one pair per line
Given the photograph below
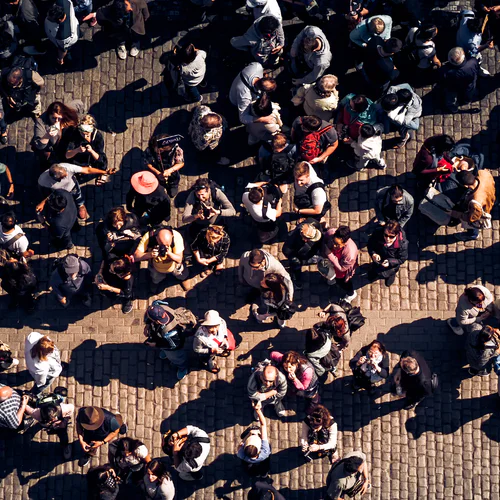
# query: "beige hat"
x,y
212,318
310,232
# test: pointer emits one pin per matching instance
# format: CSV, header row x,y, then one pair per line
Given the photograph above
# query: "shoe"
x,y
82,212
287,413
465,237
483,373
313,260
457,330
31,50
121,51
350,298
390,280
85,460
3,139
255,310
67,452
127,307
181,373
224,161
281,323
123,429
331,282
134,50
163,354
484,72
402,143
410,406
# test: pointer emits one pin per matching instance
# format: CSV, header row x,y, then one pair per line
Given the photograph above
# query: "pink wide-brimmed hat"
x,y
144,182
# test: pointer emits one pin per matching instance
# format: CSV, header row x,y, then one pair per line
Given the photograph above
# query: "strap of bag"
x,y
246,83
8,244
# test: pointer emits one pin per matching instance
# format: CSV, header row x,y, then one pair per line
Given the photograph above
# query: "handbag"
x,y
483,223
437,206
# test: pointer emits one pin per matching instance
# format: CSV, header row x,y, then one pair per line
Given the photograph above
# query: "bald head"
x,y
5,393
270,373
165,237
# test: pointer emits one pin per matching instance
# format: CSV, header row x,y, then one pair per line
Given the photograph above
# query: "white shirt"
x,y
19,246
205,450
256,210
66,184
52,28
318,195
38,369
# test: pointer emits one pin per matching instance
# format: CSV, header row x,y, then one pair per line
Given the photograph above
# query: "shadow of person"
x,y
56,486
15,379
302,494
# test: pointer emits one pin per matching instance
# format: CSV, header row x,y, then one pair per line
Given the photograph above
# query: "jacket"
x,y
255,386
220,202
242,91
348,260
468,40
412,111
466,313
315,104
318,61
361,35
403,210
396,254
479,358
140,14
461,79
41,370
296,248
205,341
264,8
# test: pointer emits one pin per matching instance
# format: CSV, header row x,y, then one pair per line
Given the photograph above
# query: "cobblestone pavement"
x,y
448,448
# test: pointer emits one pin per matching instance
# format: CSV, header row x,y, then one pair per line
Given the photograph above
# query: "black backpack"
x,y
305,200
280,163
354,317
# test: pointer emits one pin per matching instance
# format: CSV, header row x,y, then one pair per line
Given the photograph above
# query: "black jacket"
x,y
396,254
461,78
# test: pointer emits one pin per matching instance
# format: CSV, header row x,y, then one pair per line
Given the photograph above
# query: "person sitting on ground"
x,y
277,160
319,435
375,26
474,306
119,233
412,376
208,131
148,199
423,48
12,237
264,203
62,28
353,112
310,194
13,407
255,450
157,482
370,366
302,247
129,457
71,279
167,329
394,203
263,132
342,260
210,249
268,386
246,87
481,347
7,361
102,482
20,283
165,161
213,339
311,56
316,139
264,40
348,477
320,98
192,66
367,148
59,215
388,248
95,428
274,301
116,279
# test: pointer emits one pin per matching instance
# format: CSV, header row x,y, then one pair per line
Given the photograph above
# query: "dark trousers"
x,y
192,93
346,286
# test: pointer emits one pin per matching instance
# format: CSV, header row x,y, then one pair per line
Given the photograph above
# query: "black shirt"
x,y
419,385
379,69
61,222
115,281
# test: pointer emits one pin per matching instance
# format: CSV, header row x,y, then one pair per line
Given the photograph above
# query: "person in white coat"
x,y
42,360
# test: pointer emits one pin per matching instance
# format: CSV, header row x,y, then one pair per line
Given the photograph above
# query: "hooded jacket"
x,y
396,254
361,35
242,91
404,210
264,8
409,114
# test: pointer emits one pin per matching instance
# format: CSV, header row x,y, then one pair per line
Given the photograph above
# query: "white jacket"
x,y
41,370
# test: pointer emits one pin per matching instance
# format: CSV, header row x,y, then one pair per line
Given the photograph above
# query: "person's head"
x,y
301,172
212,321
474,295
57,172
116,217
269,375
279,142
392,229
376,26
15,77
210,121
340,237
466,178
268,25
57,112
186,54
8,221
338,324
265,85
366,131
71,265
57,202
273,285
309,233
456,56
157,471
389,102
292,360
359,103
327,84
427,32
5,393
375,349
256,195
404,96
164,237
49,413
439,144
485,335
392,46
43,348
257,259
121,267
310,123
56,14
310,44
201,189
319,418
153,144
86,127
263,105
191,450
353,464
214,234
475,25
127,446
396,193
409,365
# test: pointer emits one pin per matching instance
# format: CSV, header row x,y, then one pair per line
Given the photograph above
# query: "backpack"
x,y
8,245
305,200
410,54
310,145
354,317
280,163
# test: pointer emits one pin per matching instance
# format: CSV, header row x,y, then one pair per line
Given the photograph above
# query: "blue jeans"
x,y
192,93
473,233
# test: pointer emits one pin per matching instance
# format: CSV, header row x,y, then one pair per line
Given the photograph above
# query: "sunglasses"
x,y
217,230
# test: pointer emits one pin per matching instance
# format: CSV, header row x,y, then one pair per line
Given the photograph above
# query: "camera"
x,y
162,251
202,209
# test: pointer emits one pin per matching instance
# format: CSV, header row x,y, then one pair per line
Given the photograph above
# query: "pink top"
x,y
344,260
303,378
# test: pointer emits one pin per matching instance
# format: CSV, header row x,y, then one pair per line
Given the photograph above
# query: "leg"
x,y
192,93
450,101
179,359
181,272
347,286
156,276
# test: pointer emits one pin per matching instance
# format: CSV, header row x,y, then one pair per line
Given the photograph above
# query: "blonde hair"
x,y
43,348
376,25
302,168
327,83
87,120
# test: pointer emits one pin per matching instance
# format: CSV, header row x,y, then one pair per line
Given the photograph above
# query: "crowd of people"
x,y
389,46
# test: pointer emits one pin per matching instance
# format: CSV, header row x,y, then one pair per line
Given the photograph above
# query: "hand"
x,y
361,360
292,376
89,149
63,300
314,447
10,192
11,102
40,206
202,261
155,252
376,257
53,132
322,314
257,405
315,160
81,149
381,223
24,400
486,9
491,45
385,263
277,49
296,82
213,212
166,174
177,445
364,488
86,447
304,448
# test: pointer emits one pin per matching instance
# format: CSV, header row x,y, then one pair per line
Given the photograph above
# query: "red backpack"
x,y
310,145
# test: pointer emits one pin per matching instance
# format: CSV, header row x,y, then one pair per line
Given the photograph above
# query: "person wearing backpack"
x,y
12,238
419,50
310,194
71,279
264,203
348,477
316,139
277,159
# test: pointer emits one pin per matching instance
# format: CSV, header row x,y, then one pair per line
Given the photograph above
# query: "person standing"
x,y
12,408
192,67
481,348
394,203
12,237
348,477
319,435
157,482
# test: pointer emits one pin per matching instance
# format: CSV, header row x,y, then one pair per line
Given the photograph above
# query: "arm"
x,y
305,381
303,437
409,210
10,192
294,50
22,409
331,444
328,151
344,264
199,347
227,209
92,170
311,77
263,424
379,204
403,255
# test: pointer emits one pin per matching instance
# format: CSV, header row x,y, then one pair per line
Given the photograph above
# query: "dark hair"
x,y
268,24
389,102
153,142
293,358
255,195
310,123
158,469
427,32
266,85
69,115
352,464
57,202
276,287
342,233
5,38
201,183
56,13
8,221
439,144
191,450
466,178
360,103
121,267
319,416
366,131
475,25
256,256
118,11
474,294
127,444
393,45
396,190
186,54
404,96
48,412
484,336
392,227
263,105
97,478
18,276
115,215
378,344
251,451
